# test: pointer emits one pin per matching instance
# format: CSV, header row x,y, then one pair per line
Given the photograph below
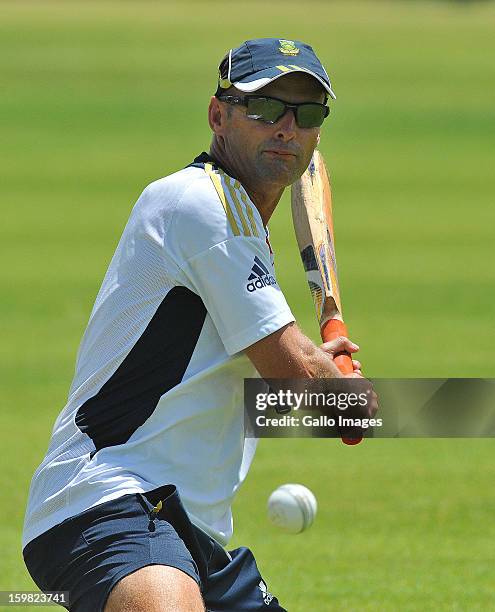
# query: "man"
x,y
130,508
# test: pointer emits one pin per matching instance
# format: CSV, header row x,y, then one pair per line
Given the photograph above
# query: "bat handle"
x,y
331,329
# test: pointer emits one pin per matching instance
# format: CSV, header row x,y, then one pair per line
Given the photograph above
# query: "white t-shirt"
x,y
157,396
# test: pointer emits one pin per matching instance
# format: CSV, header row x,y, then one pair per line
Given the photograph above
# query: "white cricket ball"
x,y
292,508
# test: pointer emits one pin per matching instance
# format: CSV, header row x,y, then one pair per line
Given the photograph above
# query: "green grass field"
x,y
100,98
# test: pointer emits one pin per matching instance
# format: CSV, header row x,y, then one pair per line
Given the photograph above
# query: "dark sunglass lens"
x,y
311,115
266,109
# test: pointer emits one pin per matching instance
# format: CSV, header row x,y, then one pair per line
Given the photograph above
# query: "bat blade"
x,y
313,224
312,214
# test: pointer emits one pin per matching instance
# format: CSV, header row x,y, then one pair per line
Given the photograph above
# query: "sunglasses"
x,y
270,110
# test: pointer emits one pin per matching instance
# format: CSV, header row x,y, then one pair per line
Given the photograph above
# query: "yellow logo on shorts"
x,y
288,47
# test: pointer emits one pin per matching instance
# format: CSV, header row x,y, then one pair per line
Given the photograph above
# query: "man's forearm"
x,y
314,362
288,353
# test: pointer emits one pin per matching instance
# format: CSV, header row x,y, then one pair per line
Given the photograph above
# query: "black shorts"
x,y
88,554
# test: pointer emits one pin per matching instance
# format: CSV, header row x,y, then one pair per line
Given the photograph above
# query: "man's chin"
x,y
282,172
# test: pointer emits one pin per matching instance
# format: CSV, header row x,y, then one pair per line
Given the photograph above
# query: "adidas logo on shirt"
x,y
267,596
260,276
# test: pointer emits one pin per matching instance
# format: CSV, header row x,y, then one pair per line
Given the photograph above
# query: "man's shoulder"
x,y
193,175
232,201
174,186
204,198
187,193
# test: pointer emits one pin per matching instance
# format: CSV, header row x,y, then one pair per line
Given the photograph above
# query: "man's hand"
x,y
289,354
340,345
344,344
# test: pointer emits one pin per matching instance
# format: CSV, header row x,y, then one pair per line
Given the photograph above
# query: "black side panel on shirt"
x,y
154,365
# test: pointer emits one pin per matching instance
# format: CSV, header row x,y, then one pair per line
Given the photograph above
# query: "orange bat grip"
x,y
330,330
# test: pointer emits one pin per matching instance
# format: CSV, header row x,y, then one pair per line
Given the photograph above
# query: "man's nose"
x,y
286,125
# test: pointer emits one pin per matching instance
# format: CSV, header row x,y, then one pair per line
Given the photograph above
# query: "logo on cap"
x,y
288,47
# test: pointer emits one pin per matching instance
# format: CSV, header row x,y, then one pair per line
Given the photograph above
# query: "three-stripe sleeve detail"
x,y
217,182
238,206
234,201
248,207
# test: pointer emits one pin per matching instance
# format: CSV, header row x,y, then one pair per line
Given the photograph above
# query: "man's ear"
x,y
318,140
215,115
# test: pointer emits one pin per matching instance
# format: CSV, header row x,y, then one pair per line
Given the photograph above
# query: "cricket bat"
x,y
313,225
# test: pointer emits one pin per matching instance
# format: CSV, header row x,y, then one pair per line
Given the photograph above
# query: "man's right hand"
x,y
288,353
